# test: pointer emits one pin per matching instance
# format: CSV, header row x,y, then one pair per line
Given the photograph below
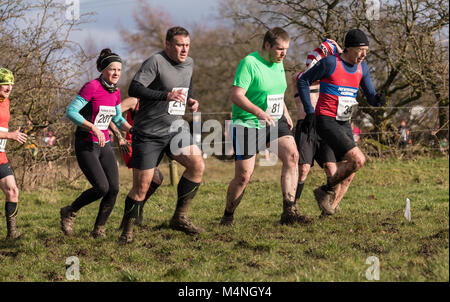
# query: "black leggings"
x,y
99,165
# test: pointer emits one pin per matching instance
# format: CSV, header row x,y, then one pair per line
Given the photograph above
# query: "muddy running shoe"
x,y
184,224
127,232
11,227
325,200
227,220
336,210
304,219
99,232
292,217
67,220
125,238
289,216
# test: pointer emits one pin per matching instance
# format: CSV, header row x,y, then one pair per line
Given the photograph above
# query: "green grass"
x,y
257,247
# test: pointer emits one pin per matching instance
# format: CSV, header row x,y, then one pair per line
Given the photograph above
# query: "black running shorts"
x,y
5,170
247,142
337,134
316,149
149,151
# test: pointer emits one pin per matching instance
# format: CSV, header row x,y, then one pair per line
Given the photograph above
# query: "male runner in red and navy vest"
x,y
340,76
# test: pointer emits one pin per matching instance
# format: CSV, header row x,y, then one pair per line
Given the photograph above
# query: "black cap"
x,y
356,38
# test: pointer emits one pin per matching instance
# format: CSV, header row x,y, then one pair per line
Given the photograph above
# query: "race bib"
x,y
178,108
275,105
104,117
3,140
345,108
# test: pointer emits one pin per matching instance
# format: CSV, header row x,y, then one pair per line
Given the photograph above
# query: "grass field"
x,y
257,248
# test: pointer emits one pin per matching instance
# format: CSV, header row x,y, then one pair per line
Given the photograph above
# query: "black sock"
x,y
228,214
151,190
298,193
11,209
132,208
328,186
186,190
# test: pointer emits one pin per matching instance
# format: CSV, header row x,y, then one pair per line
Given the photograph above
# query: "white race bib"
x,y
3,140
275,105
345,108
104,117
178,108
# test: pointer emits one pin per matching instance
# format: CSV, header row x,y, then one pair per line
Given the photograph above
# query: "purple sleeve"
x,y
88,90
118,97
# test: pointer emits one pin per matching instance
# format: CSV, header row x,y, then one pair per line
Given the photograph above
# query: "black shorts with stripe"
x,y
247,142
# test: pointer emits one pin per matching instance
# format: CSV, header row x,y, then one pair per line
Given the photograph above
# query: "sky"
x,y
111,14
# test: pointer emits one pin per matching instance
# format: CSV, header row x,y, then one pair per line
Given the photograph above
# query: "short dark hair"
x,y
175,31
273,34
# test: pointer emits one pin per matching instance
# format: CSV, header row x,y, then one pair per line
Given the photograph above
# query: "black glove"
x,y
308,127
380,99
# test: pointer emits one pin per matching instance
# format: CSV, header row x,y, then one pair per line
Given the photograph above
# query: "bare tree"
x,y
46,66
408,58
216,52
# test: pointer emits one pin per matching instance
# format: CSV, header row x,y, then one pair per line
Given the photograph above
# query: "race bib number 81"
x,y
275,105
345,108
104,117
178,108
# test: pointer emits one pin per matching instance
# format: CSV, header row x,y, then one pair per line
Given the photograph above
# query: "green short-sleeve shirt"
x,y
260,79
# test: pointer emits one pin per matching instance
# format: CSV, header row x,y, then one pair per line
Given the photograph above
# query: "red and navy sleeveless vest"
x,y
340,83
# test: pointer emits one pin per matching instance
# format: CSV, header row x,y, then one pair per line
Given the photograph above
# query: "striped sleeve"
x,y
325,49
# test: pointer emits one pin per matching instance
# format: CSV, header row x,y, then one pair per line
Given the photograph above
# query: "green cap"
x,y
6,76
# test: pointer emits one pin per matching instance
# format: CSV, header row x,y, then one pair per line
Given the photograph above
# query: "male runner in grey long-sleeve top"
x,y
164,86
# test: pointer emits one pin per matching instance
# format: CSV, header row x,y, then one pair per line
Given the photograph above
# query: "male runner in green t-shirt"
x,y
260,117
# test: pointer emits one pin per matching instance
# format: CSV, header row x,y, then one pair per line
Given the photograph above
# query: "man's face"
x,y
5,90
178,49
278,51
357,54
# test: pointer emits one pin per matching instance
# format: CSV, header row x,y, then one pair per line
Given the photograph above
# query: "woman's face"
x,y
5,91
112,73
